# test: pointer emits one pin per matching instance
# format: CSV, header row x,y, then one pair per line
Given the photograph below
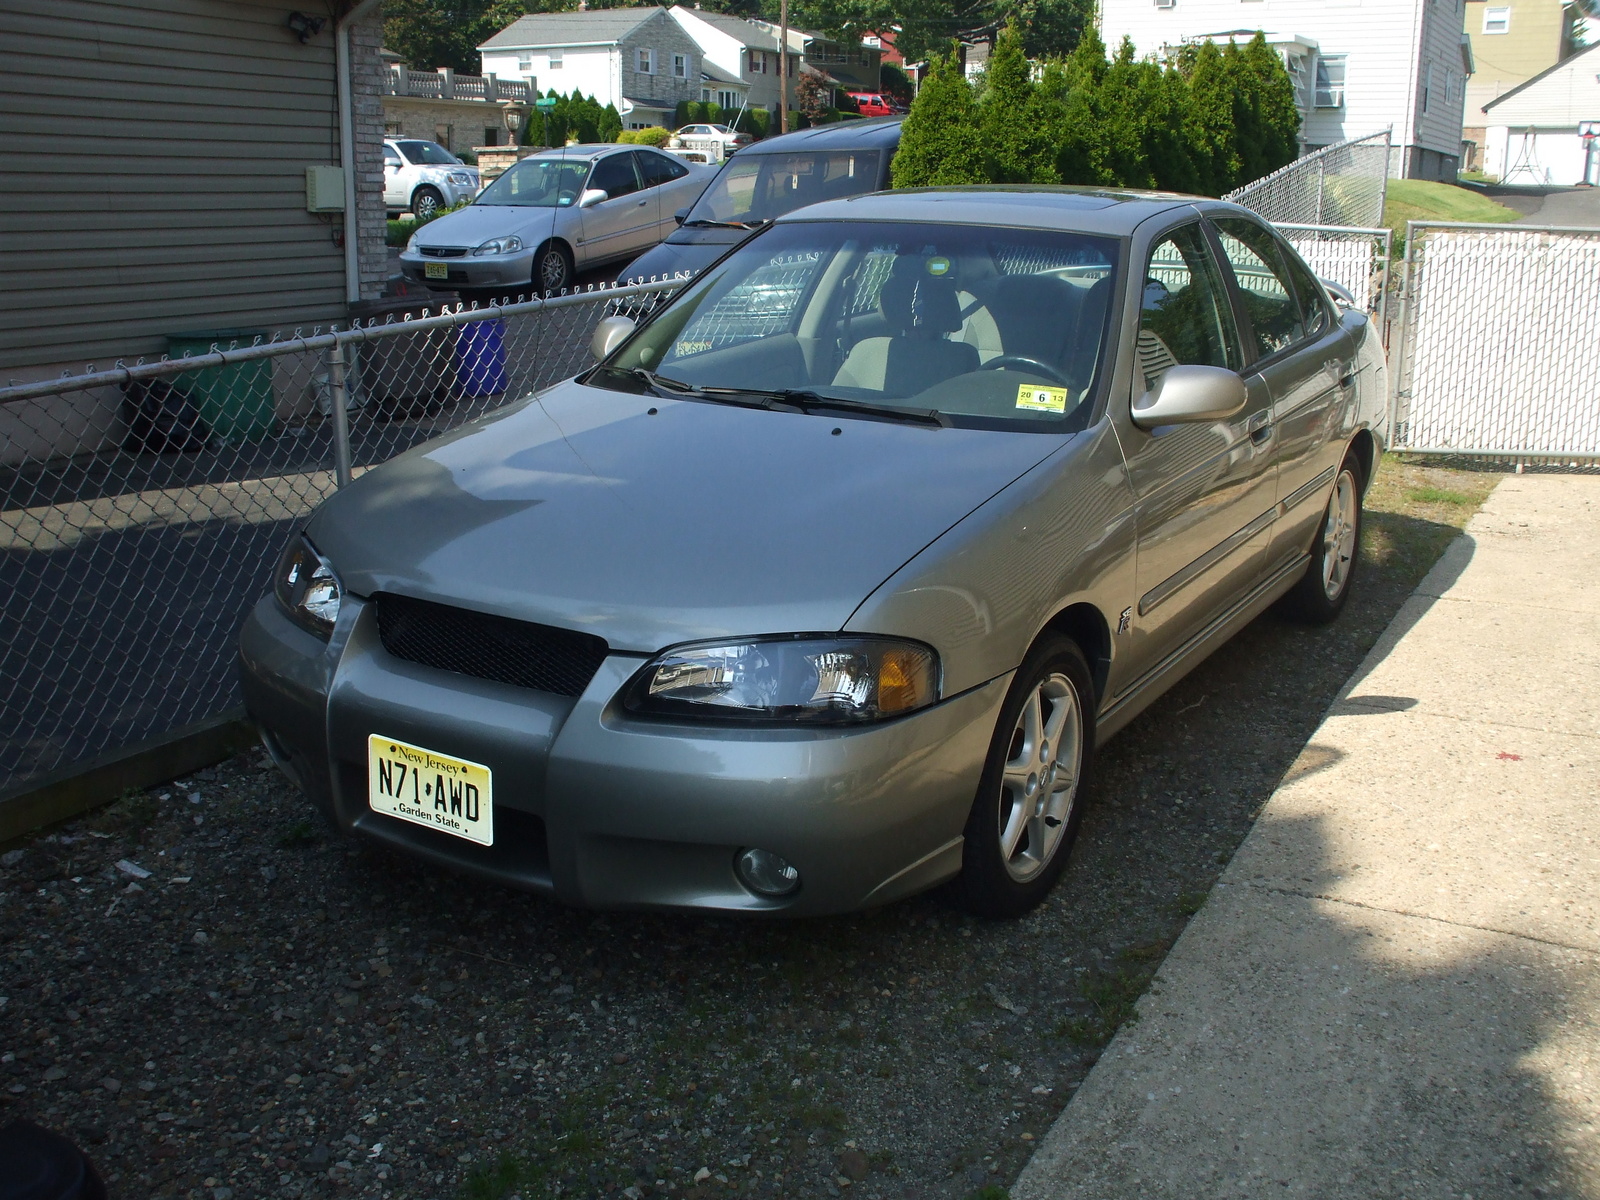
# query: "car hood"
x,y
477,223
673,257
581,509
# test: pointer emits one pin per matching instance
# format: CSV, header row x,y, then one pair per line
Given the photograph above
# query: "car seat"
x,y
919,308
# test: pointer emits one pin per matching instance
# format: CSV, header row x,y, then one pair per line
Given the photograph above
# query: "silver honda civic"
x,y
822,586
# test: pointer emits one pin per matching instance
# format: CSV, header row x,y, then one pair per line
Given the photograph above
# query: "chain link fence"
x,y
1356,259
1344,184
142,508
1499,353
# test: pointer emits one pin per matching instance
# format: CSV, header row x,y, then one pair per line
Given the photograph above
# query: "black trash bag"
x,y
161,419
36,1164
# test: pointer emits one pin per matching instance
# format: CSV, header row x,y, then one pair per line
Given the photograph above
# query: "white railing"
x,y
445,84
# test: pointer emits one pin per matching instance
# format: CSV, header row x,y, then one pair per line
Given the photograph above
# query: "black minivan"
x,y
765,181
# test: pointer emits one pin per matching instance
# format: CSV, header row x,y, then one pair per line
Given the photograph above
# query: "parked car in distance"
x,y
877,104
822,586
424,177
552,215
767,180
731,139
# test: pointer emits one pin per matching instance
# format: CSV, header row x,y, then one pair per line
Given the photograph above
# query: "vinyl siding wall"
x,y
154,159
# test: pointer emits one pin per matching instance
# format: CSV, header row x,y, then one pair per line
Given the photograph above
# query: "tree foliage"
x,y
1206,122
447,33
575,118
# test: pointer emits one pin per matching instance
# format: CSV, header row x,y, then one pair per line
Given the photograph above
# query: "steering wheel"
x,y
1027,364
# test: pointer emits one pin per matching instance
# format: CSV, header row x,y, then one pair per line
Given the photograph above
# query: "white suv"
x,y
424,177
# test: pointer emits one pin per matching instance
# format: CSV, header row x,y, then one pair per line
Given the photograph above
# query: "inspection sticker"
x,y
1042,399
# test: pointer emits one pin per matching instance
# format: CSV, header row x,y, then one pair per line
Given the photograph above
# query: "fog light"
x,y
766,873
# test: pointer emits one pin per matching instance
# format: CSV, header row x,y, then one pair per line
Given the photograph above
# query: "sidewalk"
x,y
1394,991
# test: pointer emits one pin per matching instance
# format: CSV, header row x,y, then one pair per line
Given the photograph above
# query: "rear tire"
x,y
425,202
552,269
1320,595
1030,800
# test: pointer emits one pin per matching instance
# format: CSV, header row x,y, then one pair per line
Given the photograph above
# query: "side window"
x,y
1315,315
615,175
1185,318
1263,281
660,168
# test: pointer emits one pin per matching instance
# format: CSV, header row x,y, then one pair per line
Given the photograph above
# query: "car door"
x,y
1306,359
1204,492
622,222
394,195
661,172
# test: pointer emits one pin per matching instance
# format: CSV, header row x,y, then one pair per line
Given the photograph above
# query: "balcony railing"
x,y
445,84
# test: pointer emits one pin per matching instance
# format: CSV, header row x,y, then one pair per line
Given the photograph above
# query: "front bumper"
x,y
502,270
600,809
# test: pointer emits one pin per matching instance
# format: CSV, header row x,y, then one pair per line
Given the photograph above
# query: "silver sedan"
x,y
822,587
554,214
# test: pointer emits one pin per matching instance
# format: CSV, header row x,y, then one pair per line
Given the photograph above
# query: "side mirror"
x,y
1339,292
1190,394
681,215
608,335
592,196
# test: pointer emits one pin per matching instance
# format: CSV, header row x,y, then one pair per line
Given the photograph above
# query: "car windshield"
x,y
983,326
754,188
538,183
428,154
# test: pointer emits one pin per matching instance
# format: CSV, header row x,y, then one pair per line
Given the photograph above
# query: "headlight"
x,y
810,680
411,243
461,179
502,245
307,588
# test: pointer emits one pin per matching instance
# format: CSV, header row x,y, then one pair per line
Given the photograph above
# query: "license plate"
x,y
425,787
435,270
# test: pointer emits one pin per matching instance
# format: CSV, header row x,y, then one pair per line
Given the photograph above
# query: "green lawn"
x,y
1420,200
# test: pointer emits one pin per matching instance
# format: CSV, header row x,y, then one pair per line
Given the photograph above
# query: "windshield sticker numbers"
x,y
685,349
1041,399
938,266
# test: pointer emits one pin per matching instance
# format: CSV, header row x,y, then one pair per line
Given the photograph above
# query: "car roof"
x,y
872,133
1082,209
586,151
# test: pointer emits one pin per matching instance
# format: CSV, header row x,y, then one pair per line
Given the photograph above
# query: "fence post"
x,y
1322,180
1399,371
338,401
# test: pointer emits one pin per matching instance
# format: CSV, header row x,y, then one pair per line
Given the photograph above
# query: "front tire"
x,y
552,269
426,202
1031,797
1320,595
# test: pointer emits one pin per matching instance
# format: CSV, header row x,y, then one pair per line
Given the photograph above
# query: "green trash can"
x,y
235,401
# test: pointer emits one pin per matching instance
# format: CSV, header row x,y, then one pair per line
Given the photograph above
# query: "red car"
x,y
877,104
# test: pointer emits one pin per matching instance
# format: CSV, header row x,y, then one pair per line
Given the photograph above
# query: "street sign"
x,y
545,105
1588,129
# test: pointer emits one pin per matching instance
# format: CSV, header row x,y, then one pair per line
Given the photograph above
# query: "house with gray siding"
x,y
155,163
638,59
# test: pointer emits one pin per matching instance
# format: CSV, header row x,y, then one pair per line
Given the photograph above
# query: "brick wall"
x,y
464,120
367,74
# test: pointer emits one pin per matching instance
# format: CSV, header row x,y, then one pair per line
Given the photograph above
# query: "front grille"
x,y
442,252
520,653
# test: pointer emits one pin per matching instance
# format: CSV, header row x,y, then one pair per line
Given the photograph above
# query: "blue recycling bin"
x,y
481,357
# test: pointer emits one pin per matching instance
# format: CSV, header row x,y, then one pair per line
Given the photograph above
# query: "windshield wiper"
x,y
664,385
706,223
809,401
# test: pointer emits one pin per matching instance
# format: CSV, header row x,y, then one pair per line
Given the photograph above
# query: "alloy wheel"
x,y
1339,536
552,270
1040,783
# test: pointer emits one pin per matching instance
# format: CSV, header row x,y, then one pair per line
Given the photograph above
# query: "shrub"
x,y
653,135
937,144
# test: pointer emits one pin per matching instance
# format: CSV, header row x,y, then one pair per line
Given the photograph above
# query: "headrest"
x,y
917,300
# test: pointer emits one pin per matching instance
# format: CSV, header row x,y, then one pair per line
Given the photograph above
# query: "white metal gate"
x,y
1499,349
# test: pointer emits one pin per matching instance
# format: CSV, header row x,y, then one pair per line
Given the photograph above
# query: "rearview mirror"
x,y
592,196
608,335
1190,394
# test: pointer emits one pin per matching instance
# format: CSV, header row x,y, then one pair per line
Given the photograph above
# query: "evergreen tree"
x,y
937,146
1277,111
1123,120
1208,125
610,125
1164,98
1016,147
1082,144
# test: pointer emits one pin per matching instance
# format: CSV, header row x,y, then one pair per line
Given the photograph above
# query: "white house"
x,y
738,50
638,59
1359,65
1532,133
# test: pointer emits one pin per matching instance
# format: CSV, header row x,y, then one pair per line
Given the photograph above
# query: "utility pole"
x,y
783,66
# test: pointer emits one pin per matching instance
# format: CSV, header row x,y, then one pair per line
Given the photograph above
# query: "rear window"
x,y
754,188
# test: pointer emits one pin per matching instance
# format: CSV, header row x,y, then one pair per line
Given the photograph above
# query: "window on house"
x,y
1497,20
524,62
644,62
758,62
556,57
680,66
1330,81
728,101
491,135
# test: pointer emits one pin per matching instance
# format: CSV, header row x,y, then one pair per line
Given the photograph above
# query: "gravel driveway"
x,y
272,1011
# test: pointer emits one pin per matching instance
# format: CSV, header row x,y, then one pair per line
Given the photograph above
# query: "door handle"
x,y
1343,373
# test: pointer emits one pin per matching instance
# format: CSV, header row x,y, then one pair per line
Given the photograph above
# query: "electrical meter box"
x,y
324,189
